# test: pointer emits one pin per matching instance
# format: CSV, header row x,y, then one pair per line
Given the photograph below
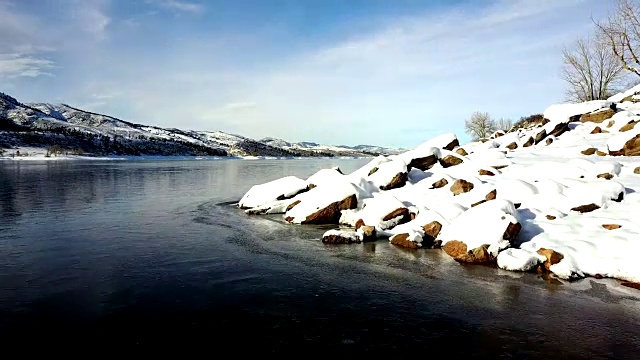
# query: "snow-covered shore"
x,y
560,195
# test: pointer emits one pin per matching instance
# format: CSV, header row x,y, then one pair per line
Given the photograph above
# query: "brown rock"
x,y
601,153
331,213
450,160
611,226
628,126
631,285
597,116
461,186
598,276
607,176
440,183
478,203
611,122
540,136
424,163
630,98
552,256
412,216
397,181
551,217
452,145
549,141
292,205
403,241
432,230
586,208
529,142
369,233
498,134
461,151
400,212
559,129
589,151
596,130
373,171
630,148
636,170
491,195
359,223
458,251
512,146
485,172
341,239
512,231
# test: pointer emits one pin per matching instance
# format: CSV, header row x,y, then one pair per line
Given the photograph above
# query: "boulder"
x,y
330,214
550,217
636,170
630,148
280,189
607,176
368,233
450,160
341,237
559,129
548,141
601,153
596,130
611,123
597,116
540,136
401,215
440,183
404,241
628,126
485,172
292,205
373,171
552,256
529,142
458,251
512,146
431,232
491,195
611,226
423,163
589,151
461,152
512,231
452,145
359,224
586,208
398,181
461,186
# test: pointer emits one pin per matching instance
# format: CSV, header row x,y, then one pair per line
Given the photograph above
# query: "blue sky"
x,y
352,72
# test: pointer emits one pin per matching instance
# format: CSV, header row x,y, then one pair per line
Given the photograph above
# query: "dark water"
x,y
151,254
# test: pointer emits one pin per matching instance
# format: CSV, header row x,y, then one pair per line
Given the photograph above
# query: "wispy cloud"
x,y
17,65
179,6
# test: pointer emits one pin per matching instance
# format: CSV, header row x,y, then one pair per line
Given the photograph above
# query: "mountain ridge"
x,y
82,131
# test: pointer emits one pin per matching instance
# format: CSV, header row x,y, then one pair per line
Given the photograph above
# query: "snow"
x,y
484,224
354,236
621,95
518,260
269,192
545,182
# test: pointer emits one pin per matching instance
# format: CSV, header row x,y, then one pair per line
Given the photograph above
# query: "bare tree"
x,y
590,70
504,124
480,125
621,31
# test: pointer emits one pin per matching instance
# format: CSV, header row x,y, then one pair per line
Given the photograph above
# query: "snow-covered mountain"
x,y
73,129
337,149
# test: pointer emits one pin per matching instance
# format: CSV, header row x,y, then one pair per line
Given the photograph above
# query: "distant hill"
x,y
73,129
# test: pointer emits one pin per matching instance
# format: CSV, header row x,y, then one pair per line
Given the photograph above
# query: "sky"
x,y
390,73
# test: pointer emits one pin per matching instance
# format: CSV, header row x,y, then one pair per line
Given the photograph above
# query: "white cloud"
x,y
18,65
179,6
